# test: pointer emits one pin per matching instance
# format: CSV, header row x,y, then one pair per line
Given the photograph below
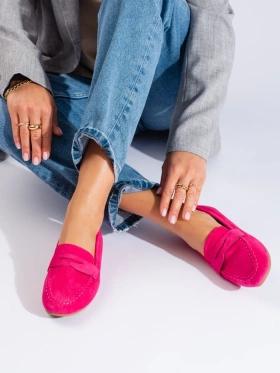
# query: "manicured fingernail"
x,y
159,190
164,212
194,207
18,145
173,219
36,161
45,156
60,130
187,216
25,157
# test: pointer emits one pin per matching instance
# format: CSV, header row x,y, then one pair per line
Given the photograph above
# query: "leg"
x,y
123,93
124,70
234,254
85,212
193,232
59,172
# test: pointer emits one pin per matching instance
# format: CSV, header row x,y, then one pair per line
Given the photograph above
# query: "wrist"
x,y
15,87
17,78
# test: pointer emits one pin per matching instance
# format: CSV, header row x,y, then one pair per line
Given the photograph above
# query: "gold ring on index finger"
x,y
194,185
33,127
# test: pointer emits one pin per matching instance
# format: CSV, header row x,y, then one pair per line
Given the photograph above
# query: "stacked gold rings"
x,y
182,186
186,187
31,127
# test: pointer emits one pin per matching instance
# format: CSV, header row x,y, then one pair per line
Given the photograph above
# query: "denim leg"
x,y
59,171
160,104
134,60
134,49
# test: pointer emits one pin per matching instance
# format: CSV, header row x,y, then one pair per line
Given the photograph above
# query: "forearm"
x,y
207,67
20,56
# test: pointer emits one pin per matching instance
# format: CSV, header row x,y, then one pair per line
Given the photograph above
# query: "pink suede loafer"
x,y
237,256
73,278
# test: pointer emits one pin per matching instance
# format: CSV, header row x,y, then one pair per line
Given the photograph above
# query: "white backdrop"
x,y
160,308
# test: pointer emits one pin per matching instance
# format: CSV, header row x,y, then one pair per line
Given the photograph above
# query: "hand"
x,y
34,104
183,168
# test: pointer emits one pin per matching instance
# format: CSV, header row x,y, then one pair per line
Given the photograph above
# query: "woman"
x,y
158,64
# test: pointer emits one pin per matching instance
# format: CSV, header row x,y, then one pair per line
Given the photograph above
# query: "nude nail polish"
x,y
36,161
173,219
164,212
25,157
187,215
18,145
45,156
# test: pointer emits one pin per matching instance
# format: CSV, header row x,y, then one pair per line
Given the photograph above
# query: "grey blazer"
x,y
38,36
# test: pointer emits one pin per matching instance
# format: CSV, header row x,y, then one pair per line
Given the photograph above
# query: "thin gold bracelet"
x,y
16,87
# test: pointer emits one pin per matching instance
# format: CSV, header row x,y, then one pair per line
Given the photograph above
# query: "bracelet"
x,y
16,87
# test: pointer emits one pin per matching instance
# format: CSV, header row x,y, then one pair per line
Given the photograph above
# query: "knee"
x,y
136,8
139,12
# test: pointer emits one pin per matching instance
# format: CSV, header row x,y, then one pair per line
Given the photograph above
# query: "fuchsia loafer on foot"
x,y
73,278
237,256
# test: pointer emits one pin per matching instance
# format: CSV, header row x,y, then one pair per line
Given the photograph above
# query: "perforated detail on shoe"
x,y
253,260
66,301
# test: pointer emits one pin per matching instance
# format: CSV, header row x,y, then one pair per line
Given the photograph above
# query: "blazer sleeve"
x,y
18,36
206,71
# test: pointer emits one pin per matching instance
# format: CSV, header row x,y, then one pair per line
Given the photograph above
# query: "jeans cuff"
x,y
81,139
121,220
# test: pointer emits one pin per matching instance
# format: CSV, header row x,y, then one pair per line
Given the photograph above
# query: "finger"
x,y
167,193
15,128
159,190
56,130
197,200
35,136
24,136
46,132
36,141
176,204
191,200
199,184
162,182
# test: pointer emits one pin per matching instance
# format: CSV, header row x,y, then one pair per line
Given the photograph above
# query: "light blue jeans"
x,y
134,88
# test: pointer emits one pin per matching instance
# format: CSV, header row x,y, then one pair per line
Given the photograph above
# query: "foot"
x,y
73,279
234,254
83,220
195,231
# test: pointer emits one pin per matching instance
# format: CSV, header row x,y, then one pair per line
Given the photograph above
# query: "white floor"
x,y
160,308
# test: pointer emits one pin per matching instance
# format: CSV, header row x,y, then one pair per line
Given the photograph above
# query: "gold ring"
x,y
183,186
33,127
23,124
194,186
